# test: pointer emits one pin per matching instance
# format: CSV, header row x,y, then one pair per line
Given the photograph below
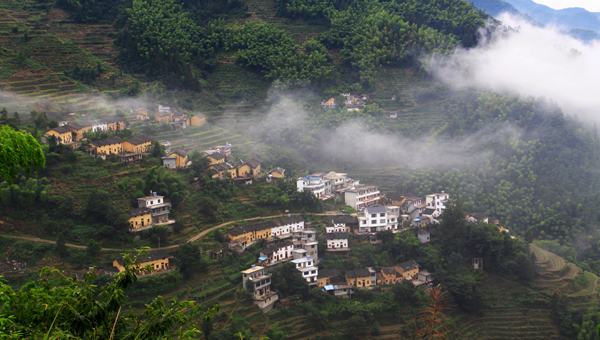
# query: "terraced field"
x,y
512,311
41,46
556,275
201,138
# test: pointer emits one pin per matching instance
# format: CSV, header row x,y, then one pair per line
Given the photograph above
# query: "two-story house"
x,y
278,252
159,208
337,242
342,224
307,267
436,202
378,218
362,196
361,278
257,280
140,219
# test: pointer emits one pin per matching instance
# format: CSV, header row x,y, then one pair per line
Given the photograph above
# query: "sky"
x,y
590,5
530,62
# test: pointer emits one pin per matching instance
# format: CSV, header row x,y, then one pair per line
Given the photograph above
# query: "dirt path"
x,y
200,235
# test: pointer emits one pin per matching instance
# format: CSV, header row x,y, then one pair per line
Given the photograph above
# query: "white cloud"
x,y
529,61
590,5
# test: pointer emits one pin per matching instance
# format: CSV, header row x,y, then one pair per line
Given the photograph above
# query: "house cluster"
x,y
127,150
152,211
424,211
221,165
287,241
352,102
342,285
153,263
333,184
71,133
169,116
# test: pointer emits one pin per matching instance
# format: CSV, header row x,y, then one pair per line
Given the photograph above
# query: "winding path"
x,y
200,235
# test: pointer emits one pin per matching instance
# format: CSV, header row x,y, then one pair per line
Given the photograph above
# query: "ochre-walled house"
x,y
63,134
149,264
137,145
106,147
140,219
181,158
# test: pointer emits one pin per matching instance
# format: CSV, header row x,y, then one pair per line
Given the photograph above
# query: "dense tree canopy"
x,y
272,50
20,153
56,306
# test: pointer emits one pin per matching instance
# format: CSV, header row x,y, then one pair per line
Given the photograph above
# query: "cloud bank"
x,y
288,124
529,61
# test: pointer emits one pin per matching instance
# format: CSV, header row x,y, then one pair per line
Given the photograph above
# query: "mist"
x,y
289,124
528,61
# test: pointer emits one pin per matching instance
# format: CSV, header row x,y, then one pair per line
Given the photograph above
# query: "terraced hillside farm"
x,y
41,47
556,275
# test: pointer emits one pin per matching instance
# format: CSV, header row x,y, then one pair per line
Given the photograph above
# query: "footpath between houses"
x,y
200,235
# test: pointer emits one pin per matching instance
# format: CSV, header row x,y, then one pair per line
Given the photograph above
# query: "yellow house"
x,y
197,120
248,234
80,131
360,278
254,167
109,146
63,134
140,219
409,269
244,170
326,276
152,263
388,276
181,158
277,173
115,125
137,145
215,159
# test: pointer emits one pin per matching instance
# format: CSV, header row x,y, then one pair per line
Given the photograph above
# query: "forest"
x,y
180,40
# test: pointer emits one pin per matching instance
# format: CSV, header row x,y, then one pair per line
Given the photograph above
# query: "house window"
x,y
382,214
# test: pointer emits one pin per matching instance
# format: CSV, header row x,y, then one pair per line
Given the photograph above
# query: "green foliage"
x,y
20,153
288,281
372,36
190,260
56,306
166,40
271,50
167,183
283,195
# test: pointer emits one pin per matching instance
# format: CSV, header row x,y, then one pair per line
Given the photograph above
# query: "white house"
x,y
413,206
285,227
337,242
278,252
316,184
257,280
307,240
342,224
437,202
158,206
339,181
378,218
99,126
362,196
307,266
